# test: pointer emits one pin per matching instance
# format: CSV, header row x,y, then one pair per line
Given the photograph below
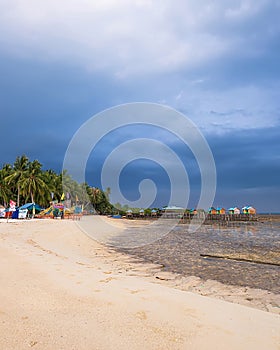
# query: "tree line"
x,y
25,181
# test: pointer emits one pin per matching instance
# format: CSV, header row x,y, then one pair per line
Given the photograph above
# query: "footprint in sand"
x,y
135,291
107,280
32,343
141,315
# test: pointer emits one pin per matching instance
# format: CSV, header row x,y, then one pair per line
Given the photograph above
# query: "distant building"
x,y
220,211
212,211
193,211
249,210
129,214
154,213
173,208
234,211
173,211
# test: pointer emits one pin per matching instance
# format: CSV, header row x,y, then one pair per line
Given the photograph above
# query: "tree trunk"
x,y
18,190
33,208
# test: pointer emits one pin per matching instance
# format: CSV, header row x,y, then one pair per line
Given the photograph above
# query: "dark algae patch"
x,y
242,255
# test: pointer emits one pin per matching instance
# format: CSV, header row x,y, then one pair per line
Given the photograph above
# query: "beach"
x,y
60,289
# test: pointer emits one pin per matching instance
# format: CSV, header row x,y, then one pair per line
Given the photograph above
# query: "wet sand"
x,y
62,290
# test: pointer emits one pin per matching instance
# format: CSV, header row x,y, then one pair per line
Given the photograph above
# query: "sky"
x,y
217,62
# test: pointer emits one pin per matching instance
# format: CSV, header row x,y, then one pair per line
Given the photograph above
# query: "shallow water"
x,y
180,251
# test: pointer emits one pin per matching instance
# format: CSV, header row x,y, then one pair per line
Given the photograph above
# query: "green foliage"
x,y
100,201
26,181
5,191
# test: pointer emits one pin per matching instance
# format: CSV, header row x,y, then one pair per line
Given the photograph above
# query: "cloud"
x,y
133,38
240,108
215,61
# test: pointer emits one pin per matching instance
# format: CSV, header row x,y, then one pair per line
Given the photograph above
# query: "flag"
x,y
62,196
12,205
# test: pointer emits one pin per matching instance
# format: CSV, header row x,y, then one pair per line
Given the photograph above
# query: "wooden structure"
x,y
220,211
249,210
173,212
212,211
129,214
154,213
234,211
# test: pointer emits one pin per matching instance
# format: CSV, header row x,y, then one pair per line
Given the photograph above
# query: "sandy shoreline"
x,y
62,290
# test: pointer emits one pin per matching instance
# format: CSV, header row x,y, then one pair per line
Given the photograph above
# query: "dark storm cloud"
x,y
217,62
248,157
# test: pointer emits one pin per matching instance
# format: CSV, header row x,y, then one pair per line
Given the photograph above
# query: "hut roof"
x,y
30,206
173,207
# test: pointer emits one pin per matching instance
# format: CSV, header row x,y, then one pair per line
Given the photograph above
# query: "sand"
x,y
62,290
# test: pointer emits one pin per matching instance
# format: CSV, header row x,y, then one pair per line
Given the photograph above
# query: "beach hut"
x,y
234,211
249,210
154,213
220,211
212,211
142,213
193,211
173,211
129,213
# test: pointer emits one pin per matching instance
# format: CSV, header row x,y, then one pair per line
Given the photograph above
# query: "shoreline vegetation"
x,y
57,195
25,181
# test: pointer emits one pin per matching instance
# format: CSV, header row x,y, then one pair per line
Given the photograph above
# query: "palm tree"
x,y
33,184
54,183
19,171
100,201
5,191
95,195
107,193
